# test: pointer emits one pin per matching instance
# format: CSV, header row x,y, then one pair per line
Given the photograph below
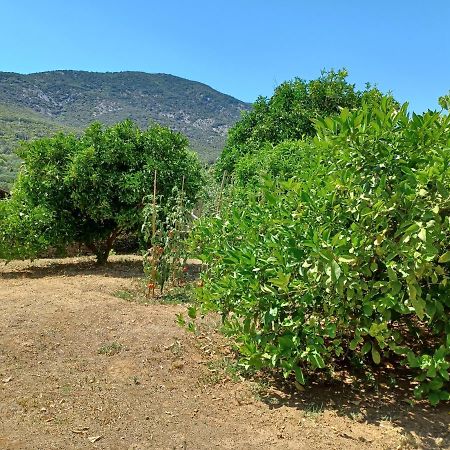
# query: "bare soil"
x,y
83,365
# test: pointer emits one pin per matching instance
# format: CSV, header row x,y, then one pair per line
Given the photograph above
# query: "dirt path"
x,y
79,363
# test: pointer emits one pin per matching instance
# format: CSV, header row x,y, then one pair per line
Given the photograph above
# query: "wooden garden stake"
x,y
219,201
154,210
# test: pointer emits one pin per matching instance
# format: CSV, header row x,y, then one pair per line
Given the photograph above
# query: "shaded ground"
x,y
80,361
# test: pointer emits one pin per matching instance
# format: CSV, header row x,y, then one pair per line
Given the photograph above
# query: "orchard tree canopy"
x,y
89,189
290,114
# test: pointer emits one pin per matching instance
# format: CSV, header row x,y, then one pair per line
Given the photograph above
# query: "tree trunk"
x,y
102,256
102,250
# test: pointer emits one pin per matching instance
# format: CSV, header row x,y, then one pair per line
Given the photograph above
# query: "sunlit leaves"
x,y
91,188
350,257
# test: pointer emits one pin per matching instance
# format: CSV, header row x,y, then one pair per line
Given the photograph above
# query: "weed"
x,y
124,295
259,390
313,410
178,295
220,369
176,348
110,349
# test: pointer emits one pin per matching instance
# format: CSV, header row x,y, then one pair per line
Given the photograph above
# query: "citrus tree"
x,y
89,189
349,261
290,113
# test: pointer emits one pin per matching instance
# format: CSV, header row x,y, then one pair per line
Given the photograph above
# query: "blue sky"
x,y
243,48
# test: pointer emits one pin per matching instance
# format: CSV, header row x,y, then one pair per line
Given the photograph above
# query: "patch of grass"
x,y
313,410
125,295
222,368
110,348
259,388
179,294
176,348
66,389
138,293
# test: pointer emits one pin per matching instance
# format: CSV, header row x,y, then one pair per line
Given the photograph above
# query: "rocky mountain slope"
x,y
41,103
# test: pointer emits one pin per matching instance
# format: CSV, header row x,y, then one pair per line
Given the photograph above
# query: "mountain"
x,y
39,104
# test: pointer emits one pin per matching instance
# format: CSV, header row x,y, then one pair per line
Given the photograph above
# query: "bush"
x,y
290,113
91,189
348,261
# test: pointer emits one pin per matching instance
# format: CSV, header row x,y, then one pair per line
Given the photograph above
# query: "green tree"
x,y
349,260
444,102
290,114
90,189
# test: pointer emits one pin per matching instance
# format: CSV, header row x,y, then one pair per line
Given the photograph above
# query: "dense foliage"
x,y
90,189
347,261
290,113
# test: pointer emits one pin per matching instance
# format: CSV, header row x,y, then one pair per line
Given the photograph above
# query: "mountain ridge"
x,y
72,99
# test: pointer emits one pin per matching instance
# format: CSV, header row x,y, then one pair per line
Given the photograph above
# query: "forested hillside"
x,y
17,124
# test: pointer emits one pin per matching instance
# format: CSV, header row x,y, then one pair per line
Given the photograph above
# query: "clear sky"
x,y
243,48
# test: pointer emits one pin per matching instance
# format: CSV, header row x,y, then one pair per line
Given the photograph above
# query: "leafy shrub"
x,y
283,160
350,260
290,113
89,189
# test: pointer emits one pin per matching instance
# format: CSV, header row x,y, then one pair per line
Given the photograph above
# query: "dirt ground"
x,y
83,365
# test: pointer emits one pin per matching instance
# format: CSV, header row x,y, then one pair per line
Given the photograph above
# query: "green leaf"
x,y
316,361
419,306
281,280
434,398
444,258
367,309
435,385
392,275
331,330
192,312
347,259
335,270
413,361
299,375
396,287
354,343
376,356
286,342
422,235
366,348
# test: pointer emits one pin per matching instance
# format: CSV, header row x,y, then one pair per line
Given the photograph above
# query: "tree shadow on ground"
x,y
377,404
123,268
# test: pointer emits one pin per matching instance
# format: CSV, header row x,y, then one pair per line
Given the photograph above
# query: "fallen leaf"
x,y
94,438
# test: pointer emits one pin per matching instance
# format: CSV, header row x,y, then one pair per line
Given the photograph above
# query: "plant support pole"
x,y
154,210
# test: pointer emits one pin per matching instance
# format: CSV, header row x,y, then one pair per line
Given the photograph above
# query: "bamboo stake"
x,y
154,210
182,191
